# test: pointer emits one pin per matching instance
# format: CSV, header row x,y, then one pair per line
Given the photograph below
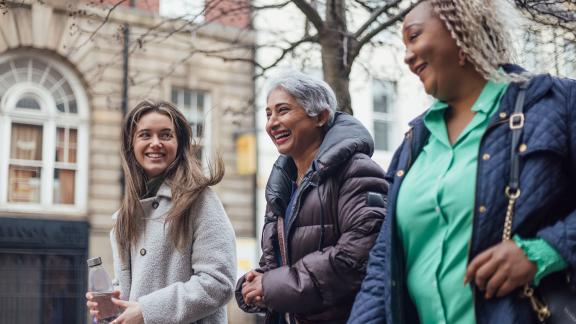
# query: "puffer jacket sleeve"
x,y
562,235
214,264
369,306
331,276
267,261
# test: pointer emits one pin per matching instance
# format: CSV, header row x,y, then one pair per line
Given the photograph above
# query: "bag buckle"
x,y
516,120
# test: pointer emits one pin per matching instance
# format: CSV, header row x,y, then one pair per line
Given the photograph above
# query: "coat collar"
x,y
164,191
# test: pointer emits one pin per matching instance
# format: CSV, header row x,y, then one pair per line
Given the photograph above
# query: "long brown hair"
x,y
185,177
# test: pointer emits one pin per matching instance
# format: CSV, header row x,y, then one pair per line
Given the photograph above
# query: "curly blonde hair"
x,y
480,32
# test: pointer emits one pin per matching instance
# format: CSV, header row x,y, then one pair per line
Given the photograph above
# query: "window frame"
x,y
50,119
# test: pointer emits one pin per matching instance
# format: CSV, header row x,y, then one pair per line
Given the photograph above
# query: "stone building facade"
x,y
62,80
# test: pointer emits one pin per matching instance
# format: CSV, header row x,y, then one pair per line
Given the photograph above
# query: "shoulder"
x,y
208,199
361,165
208,207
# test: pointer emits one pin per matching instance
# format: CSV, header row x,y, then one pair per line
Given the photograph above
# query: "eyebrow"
x,y
278,105
147,130
412,25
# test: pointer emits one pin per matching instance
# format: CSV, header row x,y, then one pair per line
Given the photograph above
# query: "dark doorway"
x,y
42,271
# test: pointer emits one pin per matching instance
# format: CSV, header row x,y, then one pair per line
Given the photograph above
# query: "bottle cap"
x,y
94,262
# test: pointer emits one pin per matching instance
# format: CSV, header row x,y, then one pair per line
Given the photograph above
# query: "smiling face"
x,y
154,143
291,129
431,53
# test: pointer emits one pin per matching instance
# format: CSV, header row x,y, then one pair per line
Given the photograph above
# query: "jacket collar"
x,y
346,137
164,191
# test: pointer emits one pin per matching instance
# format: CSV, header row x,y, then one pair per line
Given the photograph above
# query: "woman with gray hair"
x,y
481,207
326,199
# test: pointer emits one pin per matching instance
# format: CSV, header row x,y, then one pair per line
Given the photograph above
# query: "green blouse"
x,y
434,216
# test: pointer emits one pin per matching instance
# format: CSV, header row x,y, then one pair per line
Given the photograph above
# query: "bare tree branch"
x,y
374,17
366,38
104,21
311,14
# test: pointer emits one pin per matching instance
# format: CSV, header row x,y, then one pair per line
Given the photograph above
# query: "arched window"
x,y
43,136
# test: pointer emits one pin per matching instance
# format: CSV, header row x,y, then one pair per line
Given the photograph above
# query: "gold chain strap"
x,y
512,196
541,309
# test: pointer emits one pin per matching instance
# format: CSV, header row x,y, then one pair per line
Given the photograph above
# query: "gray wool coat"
x,y
171,286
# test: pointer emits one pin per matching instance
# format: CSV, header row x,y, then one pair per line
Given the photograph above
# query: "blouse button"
x,y
482,209
400,173
155,204
142,251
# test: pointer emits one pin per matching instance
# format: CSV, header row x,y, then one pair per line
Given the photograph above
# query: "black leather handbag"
x,y
553,300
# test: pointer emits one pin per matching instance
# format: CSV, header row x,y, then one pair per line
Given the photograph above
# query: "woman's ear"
x,y
323,117
462,58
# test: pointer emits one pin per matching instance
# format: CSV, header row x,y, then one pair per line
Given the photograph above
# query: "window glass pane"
x,y
4,68
54,77
200,102
28,103
66,139
197,129
381,96
72,108
174,96
72,143
24,184
39,66
61,107
64,186
381,134
188,98
21,63
60,144
26,142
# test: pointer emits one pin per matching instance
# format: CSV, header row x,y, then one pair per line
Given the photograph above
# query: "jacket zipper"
x,y
294,213
474,211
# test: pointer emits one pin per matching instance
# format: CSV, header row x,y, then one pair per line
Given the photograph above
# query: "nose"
x,y
409,56
155,141
272,122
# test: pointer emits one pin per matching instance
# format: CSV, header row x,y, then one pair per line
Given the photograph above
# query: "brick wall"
x,y
235,13
146,5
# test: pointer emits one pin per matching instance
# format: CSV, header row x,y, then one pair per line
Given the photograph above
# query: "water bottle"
x,y
100,285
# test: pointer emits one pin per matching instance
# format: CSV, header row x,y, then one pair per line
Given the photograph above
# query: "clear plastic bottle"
x,y
100,285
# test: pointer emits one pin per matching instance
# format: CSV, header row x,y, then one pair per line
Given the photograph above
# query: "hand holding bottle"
x,y
99,296
101,305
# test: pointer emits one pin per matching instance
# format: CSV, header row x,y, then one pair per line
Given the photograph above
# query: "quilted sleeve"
x,y
562,235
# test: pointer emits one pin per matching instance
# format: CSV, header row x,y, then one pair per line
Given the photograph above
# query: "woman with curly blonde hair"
x,y
481,191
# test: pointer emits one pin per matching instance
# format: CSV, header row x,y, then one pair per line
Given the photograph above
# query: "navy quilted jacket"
x,y
545,209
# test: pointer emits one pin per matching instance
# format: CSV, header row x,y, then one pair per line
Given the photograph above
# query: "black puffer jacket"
x,y
337,215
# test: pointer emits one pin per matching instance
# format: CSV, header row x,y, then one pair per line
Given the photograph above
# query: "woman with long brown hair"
x,y
481,205
173,245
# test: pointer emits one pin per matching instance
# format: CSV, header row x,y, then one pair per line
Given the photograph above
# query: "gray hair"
x,y
314,95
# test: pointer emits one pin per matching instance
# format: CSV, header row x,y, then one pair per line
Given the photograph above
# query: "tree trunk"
x,y
335,53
